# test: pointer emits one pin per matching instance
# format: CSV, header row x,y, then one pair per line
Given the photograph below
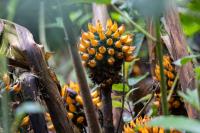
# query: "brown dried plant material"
x,y
179,50
17,44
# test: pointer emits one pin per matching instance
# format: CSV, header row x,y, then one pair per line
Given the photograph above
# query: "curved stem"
x,y
135,24
123,98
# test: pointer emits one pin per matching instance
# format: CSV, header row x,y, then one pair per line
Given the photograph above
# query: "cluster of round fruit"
x,y
169,71
74,104
140,126
104,51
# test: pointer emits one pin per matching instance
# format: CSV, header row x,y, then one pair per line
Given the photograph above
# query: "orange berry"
x,y
102,36
79,99
102,49
116,34
72,108
92,63
108,32
91,35
125,48
124,38
121,29
17,87
114,27
111,51
94,43
170,83
91,28
69,100
85,35
109,23
85,43
111,61
99,56
70,115
91,51
82,48
85,57
118,44
109,41
80,119
170,75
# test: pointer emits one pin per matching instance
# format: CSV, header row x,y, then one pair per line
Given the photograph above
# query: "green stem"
x,y
134,24
159,51
173,87
70,39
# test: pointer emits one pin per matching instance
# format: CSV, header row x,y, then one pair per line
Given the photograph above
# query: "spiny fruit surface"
x,y
169,71
74,104
175,103
140,126
104,51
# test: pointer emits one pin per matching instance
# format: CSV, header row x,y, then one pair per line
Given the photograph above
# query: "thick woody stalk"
x,y
93,124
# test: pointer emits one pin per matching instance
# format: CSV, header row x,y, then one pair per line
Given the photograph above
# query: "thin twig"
x,y
145,106
123,97
173,87
135,24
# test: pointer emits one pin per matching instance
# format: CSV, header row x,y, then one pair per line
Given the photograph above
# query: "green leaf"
x,y
118,104
21,111
191,97
184,60
176,122
138,39
119,87
90,1
135,80
29,107
145,98
197,73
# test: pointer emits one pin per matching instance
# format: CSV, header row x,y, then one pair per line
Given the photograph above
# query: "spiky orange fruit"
x,y
104,50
